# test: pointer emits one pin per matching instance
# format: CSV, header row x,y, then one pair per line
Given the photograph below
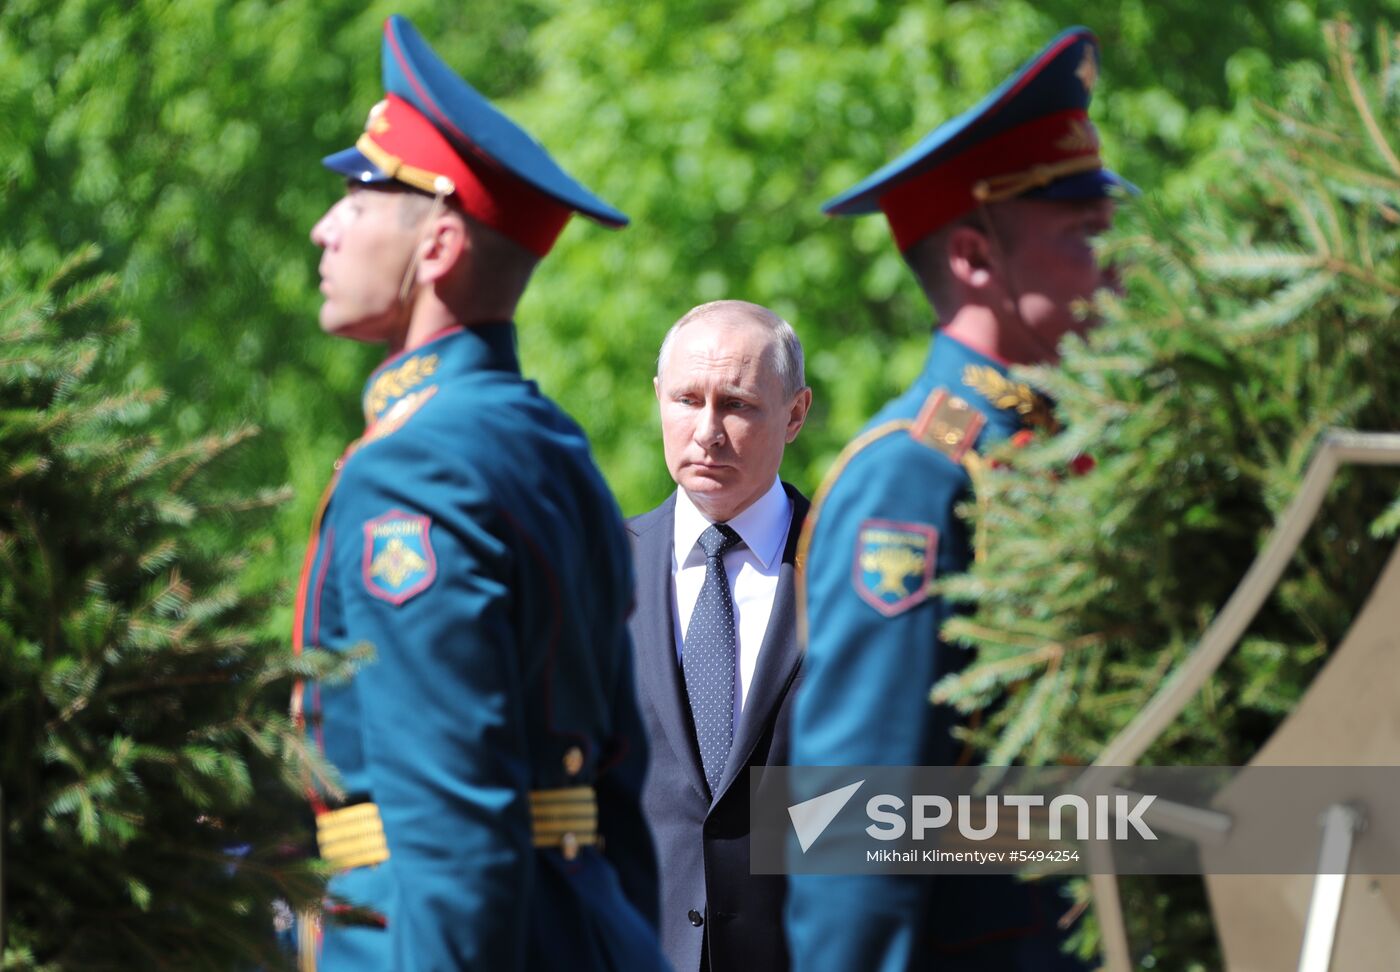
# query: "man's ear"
x,y
444,242
969,255
797,413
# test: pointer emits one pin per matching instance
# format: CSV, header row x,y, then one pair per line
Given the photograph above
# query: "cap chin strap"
x,y
1048,353
442,188
1013,184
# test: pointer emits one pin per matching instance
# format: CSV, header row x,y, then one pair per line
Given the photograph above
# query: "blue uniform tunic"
x,y
882,528
470,540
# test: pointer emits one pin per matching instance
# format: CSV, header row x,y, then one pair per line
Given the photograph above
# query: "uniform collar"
x,y
450,353
984,383
762,527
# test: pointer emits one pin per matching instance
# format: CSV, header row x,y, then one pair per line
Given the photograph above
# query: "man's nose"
x,y
709,429
323,231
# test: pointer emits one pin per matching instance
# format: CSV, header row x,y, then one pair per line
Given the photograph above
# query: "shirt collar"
x,y
762,526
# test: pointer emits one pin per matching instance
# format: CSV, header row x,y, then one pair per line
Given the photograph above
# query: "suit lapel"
x,y
778,657
659,677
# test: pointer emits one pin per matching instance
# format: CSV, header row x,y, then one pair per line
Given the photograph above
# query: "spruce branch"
x,y
141,692
1339,40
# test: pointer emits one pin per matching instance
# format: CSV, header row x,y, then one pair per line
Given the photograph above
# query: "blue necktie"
x,y
709,655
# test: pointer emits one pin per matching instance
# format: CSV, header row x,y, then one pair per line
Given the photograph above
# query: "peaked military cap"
x,y
1031,137
437,133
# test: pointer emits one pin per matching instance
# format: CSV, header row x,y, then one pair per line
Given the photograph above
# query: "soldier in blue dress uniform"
x,y
996,213
489,758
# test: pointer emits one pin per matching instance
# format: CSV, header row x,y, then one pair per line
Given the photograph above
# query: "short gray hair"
x,y
787,357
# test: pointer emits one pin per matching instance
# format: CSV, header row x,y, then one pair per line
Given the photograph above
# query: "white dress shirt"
x,y
751,566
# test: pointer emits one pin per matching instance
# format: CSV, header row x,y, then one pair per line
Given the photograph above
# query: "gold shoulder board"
x,y
947,423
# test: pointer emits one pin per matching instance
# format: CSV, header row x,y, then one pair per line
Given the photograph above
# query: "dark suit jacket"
x,y
709,900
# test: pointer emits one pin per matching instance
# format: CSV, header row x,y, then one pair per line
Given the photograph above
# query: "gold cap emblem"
x,y
1081,137
376,123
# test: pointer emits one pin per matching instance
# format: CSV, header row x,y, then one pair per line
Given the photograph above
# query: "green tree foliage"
x,y
1265,316
185,137
722,127
149,799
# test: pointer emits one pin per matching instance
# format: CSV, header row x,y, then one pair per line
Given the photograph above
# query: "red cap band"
x,y
920,205
409,148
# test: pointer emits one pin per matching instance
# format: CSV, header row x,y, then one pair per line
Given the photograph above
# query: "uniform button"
x,y
573,761
568,845
696,918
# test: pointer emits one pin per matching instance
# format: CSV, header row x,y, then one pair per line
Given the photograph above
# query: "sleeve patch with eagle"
x,y
398,559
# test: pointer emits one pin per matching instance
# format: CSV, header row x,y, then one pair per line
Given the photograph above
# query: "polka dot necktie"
x,y
708,658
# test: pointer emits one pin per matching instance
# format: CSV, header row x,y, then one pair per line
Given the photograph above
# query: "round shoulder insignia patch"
x,y
398,560
893,564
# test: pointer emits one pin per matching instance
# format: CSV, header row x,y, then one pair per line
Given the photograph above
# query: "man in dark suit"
x,y
714,629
